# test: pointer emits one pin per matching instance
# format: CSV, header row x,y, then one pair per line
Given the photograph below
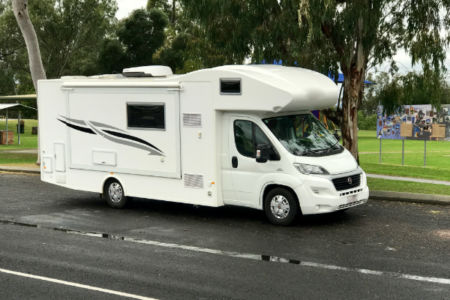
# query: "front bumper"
x,y
318,194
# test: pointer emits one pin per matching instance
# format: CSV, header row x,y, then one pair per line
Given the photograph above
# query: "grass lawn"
x,y
376,184
438,157
27,141
16,158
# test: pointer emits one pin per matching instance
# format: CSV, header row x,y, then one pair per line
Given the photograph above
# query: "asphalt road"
x,y
81,249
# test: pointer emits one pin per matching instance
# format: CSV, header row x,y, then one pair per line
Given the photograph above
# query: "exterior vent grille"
x,y
351,204
347,182
193,181
192,120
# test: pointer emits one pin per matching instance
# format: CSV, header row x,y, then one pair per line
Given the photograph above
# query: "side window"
x,y
243,137
260,137
150,116
230,86
247,135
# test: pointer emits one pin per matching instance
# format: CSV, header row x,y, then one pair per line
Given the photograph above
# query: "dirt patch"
x,y
443,234
27,166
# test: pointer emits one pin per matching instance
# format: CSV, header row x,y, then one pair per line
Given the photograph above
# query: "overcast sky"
x,y
403,60
127,6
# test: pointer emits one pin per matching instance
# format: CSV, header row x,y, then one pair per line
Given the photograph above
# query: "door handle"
x,y
234,162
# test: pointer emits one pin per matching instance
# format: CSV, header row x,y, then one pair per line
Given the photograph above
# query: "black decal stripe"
x,y
130,137
79,128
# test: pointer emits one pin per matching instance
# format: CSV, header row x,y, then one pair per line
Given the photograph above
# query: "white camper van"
x,y
231,135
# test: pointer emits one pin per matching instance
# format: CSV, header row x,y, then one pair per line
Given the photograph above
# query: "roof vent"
x,y
148,71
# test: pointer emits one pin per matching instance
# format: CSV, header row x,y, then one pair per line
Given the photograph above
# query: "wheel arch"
x,y
270,186
109,178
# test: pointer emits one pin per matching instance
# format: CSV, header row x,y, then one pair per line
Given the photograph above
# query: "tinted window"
x,y
230,86
146,116
243,136
260,137
247,135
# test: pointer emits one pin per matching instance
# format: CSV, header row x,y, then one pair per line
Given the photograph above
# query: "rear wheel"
x,y
281,206
114,194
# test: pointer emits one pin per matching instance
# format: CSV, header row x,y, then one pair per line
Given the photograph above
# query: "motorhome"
x,y
231,135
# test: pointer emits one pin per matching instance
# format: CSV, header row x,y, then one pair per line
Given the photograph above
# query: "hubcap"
x,y
279,206
115,192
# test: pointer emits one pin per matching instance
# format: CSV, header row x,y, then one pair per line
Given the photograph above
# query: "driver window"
x,y
243,137
247,135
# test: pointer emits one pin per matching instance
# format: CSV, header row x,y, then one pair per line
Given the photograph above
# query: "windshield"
x,y
303,135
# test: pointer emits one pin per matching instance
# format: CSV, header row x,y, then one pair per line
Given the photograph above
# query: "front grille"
x,y
350,192
347,182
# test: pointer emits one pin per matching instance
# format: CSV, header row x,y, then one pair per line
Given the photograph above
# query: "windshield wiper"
x,y
311,151
328,150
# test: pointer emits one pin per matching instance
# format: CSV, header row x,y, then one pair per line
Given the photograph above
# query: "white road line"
x,y
258,257
285,260
378,273
74,284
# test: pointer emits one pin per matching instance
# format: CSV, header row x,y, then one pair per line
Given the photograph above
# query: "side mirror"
x,y
263,153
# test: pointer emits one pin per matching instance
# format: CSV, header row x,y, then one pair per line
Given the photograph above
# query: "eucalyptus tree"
x,y
363,33
66,33
259,30
70,34
20,8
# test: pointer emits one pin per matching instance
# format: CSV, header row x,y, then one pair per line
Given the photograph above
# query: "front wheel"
x,y
281,206
114,194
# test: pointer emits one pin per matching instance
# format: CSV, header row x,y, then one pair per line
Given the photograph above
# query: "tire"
x,y
281,206
114,194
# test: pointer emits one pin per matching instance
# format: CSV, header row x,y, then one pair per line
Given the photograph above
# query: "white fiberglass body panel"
x,y
103,112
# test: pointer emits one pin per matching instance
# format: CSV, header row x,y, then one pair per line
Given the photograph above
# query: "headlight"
x,y
310,169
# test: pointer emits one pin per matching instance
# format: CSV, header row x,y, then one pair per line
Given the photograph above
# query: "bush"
x,y
367,122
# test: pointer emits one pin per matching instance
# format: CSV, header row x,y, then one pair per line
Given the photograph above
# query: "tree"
x,y
173,55
411,88
20,8
171,9
70,34
142,33
367,32
259,30
134,42
112,58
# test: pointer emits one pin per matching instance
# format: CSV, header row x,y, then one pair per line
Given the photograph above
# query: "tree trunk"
x,y
353,85
354,74
20,8
174,9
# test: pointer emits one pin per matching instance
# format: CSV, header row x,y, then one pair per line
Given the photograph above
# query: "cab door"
x,y
244,172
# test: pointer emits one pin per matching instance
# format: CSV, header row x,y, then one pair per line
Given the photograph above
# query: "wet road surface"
x,y
173,251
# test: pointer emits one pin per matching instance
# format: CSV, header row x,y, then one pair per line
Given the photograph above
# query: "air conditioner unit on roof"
x,y
148,71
